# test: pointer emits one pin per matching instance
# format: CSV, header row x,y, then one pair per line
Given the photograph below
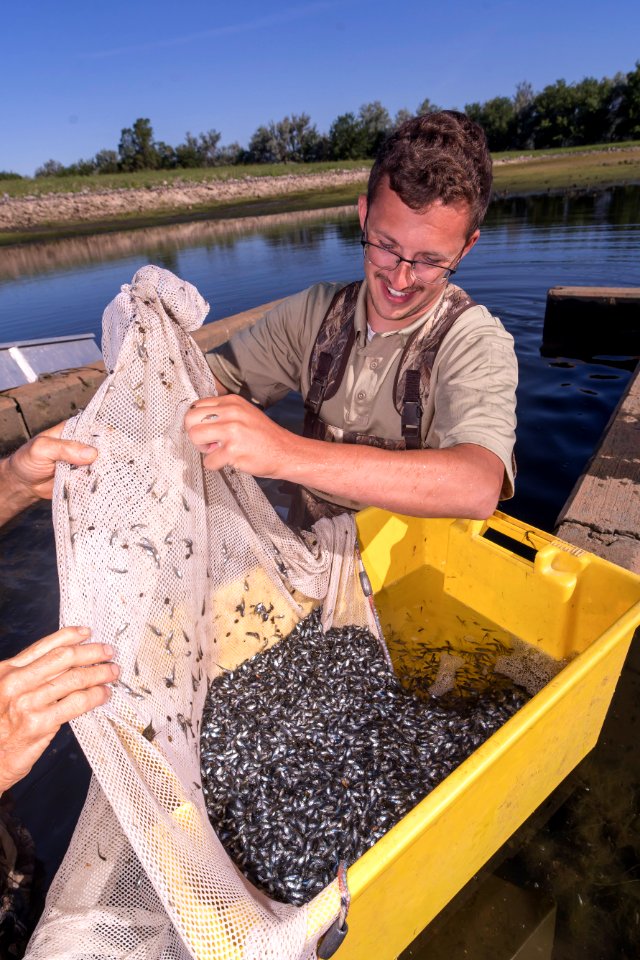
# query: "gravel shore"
x,y
23,213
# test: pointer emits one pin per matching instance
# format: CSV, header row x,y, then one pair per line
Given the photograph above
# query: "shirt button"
x,y
373,364
361,395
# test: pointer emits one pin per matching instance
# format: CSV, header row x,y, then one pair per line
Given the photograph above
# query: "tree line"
x,y
561,115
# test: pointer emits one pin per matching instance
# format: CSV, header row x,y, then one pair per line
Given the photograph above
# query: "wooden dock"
x,y
602,514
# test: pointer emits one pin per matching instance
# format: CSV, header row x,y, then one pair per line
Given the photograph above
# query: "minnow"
x,y
189,545
177,573
114,534
170,681
241,608
130,691
94,485
168,539
151,548
151,486
101,855
149,733
184,503
121,630
154,629
167,642
116,570
138,526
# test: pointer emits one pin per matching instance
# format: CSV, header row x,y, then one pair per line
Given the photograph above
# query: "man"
x,y
411,382
60,677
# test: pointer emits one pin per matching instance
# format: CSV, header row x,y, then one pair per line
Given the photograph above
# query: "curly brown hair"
x,y
439,156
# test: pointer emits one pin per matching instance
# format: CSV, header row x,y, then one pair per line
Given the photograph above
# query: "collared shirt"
x,y
473,381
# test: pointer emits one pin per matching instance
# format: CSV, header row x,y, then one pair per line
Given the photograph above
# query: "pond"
x,y
564,402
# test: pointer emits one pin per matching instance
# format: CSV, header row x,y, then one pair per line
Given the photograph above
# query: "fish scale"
x,y
312,750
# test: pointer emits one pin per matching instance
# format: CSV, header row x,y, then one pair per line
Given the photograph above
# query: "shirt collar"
x,y
360,318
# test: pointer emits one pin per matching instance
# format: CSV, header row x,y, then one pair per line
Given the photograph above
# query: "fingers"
x,y
65,661
73,685
66,636
51,448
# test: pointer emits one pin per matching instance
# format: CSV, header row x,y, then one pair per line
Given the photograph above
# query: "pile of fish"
x,y
312,750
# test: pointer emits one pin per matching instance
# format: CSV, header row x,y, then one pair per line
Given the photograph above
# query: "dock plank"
x,y
602,513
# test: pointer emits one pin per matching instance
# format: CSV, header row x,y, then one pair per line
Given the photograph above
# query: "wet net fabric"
x,y
186,573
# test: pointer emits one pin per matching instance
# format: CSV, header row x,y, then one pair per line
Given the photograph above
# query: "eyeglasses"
x,y
424,270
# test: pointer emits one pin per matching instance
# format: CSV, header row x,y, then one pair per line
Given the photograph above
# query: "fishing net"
x,y
187,573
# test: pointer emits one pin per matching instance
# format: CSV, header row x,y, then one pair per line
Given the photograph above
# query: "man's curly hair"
x,y
439,156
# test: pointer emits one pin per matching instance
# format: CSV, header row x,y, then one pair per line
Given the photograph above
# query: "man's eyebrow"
x,y
427,254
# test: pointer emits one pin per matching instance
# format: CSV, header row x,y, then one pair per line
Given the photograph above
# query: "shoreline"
x,y
51,216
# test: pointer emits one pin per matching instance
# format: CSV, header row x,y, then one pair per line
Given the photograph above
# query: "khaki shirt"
x,y
473,381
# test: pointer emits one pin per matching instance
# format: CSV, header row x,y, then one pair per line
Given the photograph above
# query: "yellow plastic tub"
x,y
447,583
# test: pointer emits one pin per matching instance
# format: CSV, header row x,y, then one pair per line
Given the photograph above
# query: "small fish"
x,y
101,855
168,539
189,546
116,570
150,548
177,573
167,642
184,503
170,681
121,630
155,630
149,733
130,691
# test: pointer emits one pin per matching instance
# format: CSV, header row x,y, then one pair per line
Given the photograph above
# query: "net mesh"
x,y
186,573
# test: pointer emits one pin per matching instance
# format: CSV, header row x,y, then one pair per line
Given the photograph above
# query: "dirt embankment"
x,y
22,213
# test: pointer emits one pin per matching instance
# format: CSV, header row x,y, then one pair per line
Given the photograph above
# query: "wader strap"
x,y
411,417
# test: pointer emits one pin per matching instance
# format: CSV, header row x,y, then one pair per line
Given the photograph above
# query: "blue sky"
x,y
73,74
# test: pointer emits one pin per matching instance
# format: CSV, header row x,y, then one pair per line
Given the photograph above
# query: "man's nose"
x,y
403,274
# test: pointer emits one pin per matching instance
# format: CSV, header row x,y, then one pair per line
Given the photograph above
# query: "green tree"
x,y
497,118
401,116
427,107
136,149
346,139
51,168
376,125
106,161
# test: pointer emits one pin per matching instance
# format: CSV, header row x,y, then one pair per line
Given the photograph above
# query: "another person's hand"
x,y
52,681
33,465
232,432
27,475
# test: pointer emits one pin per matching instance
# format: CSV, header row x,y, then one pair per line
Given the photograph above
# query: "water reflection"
x,y
159,244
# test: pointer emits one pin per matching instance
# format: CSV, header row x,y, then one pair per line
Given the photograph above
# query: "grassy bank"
x,y
516,174
153,179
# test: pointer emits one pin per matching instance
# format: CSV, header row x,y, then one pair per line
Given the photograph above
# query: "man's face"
x,y
438,233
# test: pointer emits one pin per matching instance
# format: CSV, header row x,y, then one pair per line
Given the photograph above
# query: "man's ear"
x,y
471,242
362,210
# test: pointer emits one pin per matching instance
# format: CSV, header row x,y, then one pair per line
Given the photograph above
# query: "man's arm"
x,y
27,475
459,481
52,681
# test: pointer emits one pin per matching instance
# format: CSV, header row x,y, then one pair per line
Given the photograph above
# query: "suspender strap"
x,y
318,388
411,416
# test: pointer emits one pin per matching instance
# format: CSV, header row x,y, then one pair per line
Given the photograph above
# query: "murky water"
x,y
564,403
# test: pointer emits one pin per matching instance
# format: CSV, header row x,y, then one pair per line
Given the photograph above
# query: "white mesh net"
x,y
168,563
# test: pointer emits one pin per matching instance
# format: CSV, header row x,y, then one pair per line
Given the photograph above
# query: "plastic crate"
x,y
460,582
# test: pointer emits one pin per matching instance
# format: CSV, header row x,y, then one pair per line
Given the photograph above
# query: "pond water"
x,y
564,402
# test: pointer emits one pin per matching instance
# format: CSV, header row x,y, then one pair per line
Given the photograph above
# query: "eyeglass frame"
x,y
447,271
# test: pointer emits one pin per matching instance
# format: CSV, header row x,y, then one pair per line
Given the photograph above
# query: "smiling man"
x,y
409,386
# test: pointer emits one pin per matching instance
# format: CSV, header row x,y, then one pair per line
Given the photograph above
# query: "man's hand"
x,y
52,681
232,432
27,475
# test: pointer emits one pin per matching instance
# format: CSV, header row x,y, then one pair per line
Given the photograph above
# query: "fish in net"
x,y
160,557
